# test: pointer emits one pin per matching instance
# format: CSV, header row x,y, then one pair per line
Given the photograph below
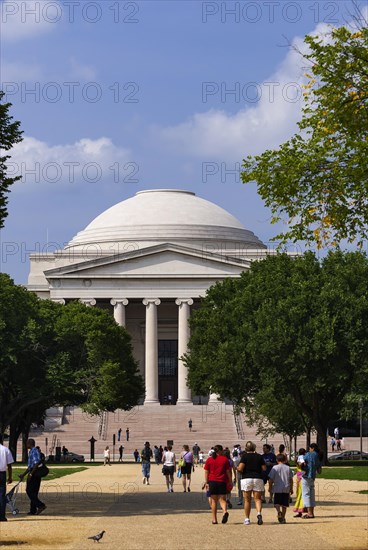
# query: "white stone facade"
x,y
149,260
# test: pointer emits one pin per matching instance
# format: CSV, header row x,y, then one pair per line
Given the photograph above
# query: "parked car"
x,y
349,455
72,457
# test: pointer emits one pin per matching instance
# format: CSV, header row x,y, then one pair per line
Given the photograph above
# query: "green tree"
x,y
273,414
10,134
294,326
60,355
317,182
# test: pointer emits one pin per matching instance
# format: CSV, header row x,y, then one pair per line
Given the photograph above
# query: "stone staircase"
x,y
212,423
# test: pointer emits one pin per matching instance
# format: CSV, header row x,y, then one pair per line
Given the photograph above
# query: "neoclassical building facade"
x,y
149,260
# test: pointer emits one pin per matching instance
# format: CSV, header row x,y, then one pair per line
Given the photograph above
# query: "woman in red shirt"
x,y
217,482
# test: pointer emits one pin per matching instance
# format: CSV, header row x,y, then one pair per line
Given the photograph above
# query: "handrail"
x,y
238,424
102,425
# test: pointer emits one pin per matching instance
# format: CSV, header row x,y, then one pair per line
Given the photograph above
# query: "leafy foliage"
x,y
290,329
318,179
10,134
59,355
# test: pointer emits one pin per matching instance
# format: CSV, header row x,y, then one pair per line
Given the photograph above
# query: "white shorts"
x,y
252,484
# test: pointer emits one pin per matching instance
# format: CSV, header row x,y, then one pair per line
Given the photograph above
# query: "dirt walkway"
x,y
136,516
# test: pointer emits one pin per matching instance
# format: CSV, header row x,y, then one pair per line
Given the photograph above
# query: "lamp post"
x,y
361,427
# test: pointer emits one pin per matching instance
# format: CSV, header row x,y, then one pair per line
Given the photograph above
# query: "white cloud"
x,y
219,135
80,71
18,72
86,160
22,19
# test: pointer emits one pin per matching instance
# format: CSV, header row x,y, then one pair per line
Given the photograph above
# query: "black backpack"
x,y
146,453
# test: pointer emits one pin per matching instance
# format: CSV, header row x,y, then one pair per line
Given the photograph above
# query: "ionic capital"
x,y
88,301
180,301
116,301
154,301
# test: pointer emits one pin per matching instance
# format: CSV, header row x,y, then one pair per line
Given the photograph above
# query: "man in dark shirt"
x,y
270,460
196,449
252,466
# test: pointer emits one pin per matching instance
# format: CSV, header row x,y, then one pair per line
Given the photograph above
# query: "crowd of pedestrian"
x,y
253,475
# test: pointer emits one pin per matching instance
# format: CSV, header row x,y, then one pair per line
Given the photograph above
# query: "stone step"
x,y
212,423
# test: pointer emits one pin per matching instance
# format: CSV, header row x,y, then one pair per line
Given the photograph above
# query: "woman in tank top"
x,y
169,468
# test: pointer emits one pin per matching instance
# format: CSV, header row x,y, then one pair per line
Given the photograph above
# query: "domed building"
x,y
149,260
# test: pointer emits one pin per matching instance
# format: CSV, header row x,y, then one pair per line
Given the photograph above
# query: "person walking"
x,y
121,452
186,469
190,424
146,456
201,458
217,482
6,461
161,452
299,508
107,456
156,454
33,480
119,433
270,461
252,466
127,433
136,455
311,465
196,448
281,485
169,468
236,461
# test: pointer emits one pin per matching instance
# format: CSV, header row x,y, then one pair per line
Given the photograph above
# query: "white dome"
x,y
164,215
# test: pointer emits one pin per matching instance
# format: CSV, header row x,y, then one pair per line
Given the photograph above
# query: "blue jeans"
x,y
2,494
146,468
308,492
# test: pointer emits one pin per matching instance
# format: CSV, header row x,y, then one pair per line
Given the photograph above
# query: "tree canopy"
x,y
291,327
316,182
10,134
60,355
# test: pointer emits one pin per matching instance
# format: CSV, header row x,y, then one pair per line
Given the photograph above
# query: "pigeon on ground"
x,y
98,537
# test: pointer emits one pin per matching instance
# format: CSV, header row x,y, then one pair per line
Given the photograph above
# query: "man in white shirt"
x,y
6,461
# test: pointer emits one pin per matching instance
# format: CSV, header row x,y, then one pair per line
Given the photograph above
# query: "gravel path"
x,y
136,516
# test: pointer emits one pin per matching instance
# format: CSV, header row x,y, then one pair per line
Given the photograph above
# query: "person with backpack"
x,y
146,456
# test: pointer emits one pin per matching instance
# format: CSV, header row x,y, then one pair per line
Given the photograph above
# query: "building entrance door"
x,y
168,371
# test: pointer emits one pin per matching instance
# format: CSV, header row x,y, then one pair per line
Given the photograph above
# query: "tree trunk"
x,y
308,440
14,433
295,448
322,442
25,435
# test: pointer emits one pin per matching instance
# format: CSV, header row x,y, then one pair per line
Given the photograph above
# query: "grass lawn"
x,y
54,472
354,473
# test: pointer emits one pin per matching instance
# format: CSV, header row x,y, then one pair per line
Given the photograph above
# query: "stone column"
x,y
151,351
119,310
184,393
88,301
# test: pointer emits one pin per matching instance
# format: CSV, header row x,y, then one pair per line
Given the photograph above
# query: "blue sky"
x,y
145,94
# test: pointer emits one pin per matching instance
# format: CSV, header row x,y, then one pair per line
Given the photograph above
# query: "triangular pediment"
x,y
164,260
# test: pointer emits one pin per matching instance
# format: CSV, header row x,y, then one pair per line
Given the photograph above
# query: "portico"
x,y
148,260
